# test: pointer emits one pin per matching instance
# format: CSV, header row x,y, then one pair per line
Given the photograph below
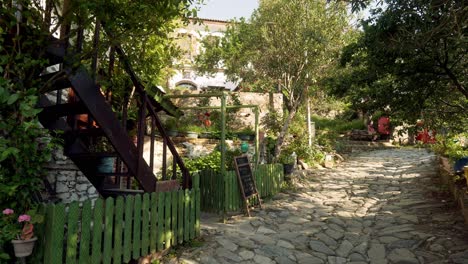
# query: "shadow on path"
x,y
384,206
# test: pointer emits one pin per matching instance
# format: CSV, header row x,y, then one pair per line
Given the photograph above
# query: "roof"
x,y
209,20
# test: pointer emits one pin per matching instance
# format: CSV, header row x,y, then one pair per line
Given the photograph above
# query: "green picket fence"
x,y
268,178
121,229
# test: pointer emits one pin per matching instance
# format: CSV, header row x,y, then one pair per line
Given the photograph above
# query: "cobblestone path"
x,y
383,206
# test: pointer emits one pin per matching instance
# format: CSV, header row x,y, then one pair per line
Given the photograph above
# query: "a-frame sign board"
x,y
246,181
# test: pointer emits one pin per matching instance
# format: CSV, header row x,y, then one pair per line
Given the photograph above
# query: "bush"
x,y
452,146
339,126
212,161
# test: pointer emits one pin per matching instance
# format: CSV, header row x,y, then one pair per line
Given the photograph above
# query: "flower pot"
x,y
23,248
191,134
106,165
246,137
206,135
171,133
288,168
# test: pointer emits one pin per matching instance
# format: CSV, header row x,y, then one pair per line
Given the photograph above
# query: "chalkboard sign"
x,y
246,180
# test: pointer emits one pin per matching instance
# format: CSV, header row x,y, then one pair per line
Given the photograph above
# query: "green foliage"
x,y
24,144
410,59
248,130
212,161
191,128
170,124
285,45
24,148
452,146
337,125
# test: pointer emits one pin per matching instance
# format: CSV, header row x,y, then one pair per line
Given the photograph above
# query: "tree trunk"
x,y
284,130
309,125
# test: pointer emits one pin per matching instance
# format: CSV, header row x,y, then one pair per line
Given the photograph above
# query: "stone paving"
x,y
384,206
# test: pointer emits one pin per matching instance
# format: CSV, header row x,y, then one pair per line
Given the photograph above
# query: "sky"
x,y
227,9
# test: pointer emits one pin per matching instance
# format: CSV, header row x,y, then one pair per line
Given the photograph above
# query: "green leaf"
x,y
8,152
4,256
13,98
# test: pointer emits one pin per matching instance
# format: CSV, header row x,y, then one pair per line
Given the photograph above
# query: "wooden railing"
x,y
90,118
146,109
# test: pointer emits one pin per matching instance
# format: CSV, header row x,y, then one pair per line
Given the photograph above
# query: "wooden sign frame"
x,y
246,181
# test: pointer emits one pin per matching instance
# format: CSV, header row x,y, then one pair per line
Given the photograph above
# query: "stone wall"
x,y
68,181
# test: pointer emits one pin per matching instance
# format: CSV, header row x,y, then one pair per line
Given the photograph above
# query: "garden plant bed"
x,y
458,191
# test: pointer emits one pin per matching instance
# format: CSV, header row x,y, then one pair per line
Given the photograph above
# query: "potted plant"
x,y
105,164
246,134
171,127
20,230
191,131
288,161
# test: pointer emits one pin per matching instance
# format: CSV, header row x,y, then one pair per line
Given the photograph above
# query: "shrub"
x,y
212,161
452,146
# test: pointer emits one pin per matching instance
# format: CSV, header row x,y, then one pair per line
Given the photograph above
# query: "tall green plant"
x,y
286,44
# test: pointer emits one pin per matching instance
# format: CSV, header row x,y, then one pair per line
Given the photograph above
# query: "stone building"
x,y
189,40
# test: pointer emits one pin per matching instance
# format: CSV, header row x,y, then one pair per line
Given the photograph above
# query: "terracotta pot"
x,y
23,248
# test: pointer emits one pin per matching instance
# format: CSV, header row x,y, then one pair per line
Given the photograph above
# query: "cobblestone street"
x,y
384,206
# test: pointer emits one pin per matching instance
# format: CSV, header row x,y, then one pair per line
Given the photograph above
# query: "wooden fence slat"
x,y
213,193
39,230
160,233
127,250
186,215
196,188
197,212
239,199
72,232
136,227
108,230
227,191
167,219
174,213
145,210
202,183
218,181
97,232
57,215
85,238
235,191
153,222
217,186
192,214
118,231
48,230
180,216
196,180
221,192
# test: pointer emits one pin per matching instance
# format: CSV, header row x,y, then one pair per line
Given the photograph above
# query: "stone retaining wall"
x,y
67,180
459,192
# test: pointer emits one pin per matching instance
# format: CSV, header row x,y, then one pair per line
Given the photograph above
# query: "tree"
x,y
286,44
25,30
411,58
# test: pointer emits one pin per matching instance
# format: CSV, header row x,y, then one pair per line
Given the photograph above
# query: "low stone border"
x,y
458,192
